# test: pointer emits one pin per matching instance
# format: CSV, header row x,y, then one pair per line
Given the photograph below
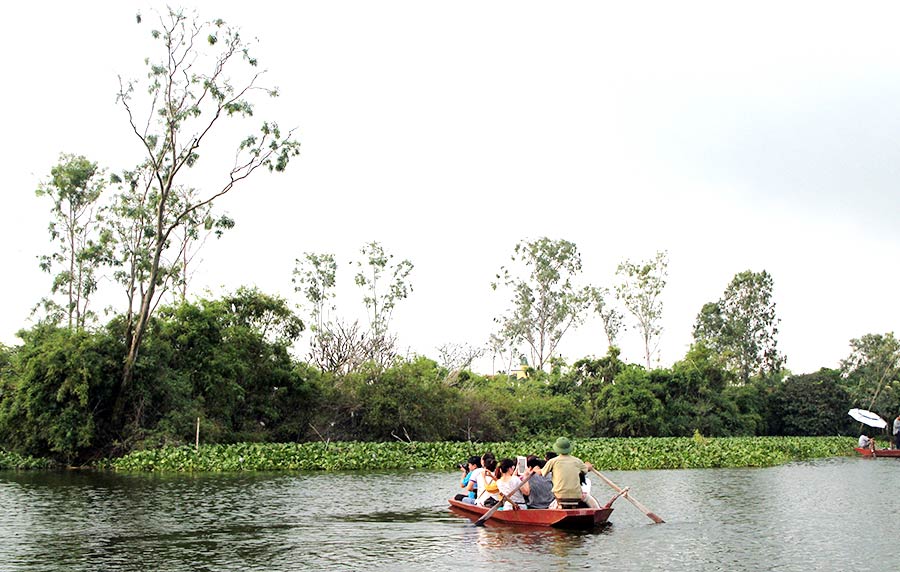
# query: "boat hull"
x,y
878,452
580,518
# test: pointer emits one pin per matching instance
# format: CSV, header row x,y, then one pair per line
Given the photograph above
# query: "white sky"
x,y
752,136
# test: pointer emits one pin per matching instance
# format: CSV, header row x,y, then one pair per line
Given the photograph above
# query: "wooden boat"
x,y
579,518
878,452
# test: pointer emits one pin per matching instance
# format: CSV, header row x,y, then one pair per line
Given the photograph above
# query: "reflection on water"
x,y
802,516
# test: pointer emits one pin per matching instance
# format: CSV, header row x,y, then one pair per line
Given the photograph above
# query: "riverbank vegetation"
x,y
14,461
606,454
226,362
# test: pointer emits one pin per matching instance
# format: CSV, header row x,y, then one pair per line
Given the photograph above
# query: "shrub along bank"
x,y
605,454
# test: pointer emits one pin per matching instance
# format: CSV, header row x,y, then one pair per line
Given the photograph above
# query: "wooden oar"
x,y
503,497
625,493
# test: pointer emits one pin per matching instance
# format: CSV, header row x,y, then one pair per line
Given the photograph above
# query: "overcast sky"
x,y
758,136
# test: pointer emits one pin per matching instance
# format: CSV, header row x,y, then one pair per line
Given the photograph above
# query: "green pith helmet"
x,y
562,446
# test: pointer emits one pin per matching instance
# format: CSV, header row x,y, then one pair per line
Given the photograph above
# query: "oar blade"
x,y
625,493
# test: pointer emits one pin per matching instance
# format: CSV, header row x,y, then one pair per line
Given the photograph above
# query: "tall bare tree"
x,y
202,77
640,290
612,318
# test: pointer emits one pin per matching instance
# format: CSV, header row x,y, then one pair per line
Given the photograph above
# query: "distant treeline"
x,y
227,362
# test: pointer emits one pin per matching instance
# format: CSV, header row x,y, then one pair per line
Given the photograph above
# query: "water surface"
x,y
800,516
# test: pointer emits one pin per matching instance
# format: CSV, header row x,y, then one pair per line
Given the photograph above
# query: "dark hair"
x,y
490,463
488,455
475,460
550,455
506,464
535,462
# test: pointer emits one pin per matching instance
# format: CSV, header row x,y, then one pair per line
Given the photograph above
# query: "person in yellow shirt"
x,y
566,473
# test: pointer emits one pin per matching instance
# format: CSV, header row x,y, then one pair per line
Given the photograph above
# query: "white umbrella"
x,y
867,417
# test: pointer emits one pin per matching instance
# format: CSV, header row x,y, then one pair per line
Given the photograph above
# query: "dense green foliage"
x,y
605,454
227,363
55,392
14,461
810,404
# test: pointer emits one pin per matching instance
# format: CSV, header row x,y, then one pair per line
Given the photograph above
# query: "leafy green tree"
x,y
266,315
505,408
693,392
741,327
55,403
640,290
752,413
407,401
545,301
233,356
630,406
75,187
810,404
872,372
203,76
585,379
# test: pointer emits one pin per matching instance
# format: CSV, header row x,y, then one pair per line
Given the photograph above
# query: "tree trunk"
x,y
140,325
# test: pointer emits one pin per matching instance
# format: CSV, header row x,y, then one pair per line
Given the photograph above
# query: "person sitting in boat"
x,y
486,482
540,488
472,464
865,442
566,477
477,481
508,482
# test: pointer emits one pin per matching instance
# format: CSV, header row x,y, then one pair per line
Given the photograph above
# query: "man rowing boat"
x,y
566,477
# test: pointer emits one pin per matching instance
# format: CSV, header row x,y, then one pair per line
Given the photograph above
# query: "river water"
x,y
828,514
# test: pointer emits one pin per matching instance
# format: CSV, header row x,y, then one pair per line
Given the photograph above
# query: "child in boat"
x,y
508,482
